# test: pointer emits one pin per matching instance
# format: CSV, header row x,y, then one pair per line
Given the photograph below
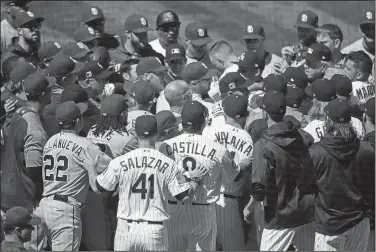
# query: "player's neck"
x,y
337,56
34,106
234,123
146,144
141,107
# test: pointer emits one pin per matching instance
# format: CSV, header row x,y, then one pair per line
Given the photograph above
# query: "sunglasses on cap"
x,y
169,27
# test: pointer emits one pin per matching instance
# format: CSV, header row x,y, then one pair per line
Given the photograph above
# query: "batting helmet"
x,y
167,17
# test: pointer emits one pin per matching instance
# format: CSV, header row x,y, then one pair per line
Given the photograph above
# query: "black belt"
x,y
149,222
62,198
193,203
231,196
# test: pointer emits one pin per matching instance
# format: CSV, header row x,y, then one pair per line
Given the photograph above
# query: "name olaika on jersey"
x,y
144,162
190,148
65,144
239,144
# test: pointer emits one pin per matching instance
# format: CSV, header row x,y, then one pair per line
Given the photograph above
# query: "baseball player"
x,y
70,166
145,177
193,224
237,140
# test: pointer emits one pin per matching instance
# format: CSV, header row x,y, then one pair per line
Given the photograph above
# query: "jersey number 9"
x,y
189,163
62,165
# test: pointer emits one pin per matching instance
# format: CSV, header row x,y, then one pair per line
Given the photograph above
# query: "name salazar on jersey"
x,y
239,144
144,162
65,144
190,148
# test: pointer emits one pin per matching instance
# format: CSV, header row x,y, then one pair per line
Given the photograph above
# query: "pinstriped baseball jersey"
x,y
235,140
192,148
217,115
132,116
362,91
316,128
67,159
144,176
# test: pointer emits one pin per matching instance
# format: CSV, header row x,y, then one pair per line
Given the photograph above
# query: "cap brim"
x,y
161,69
209,74
35,220
308,91
83,107
252,36
367,22
144,29
78,67
104,75
174,57
305,26
131,61
82,54
203,41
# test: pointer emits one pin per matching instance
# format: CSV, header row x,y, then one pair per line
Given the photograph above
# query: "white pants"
x,y
354,239
302,237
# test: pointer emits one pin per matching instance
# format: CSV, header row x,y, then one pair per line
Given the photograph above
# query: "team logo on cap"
x,y
295,105
231,85
81,45
304,18
143,21
169,15
341,119
57,45
250,29
242,57
369,15
323,57
91,30
30,14
94,11
310,50
201,32
292,80
175,50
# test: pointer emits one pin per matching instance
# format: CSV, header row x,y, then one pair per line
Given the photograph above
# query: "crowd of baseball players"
x,y
122,142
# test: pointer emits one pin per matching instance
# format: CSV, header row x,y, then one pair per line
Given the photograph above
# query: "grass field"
x,y
225,19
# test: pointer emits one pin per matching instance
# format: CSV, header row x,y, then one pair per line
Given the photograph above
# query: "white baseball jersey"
x,y
362,91
193,149
156,45
67,160
132,116
197,97
217,115
357,46
316,128
144,176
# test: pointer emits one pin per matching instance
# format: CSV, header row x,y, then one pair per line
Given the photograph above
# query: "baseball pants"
x,y
39,236
140,236
192,227
63,222
371,241
230,233
354,239
302,237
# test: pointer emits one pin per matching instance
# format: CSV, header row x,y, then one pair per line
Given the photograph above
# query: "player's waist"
x,y
66,199
231,195
172,202
143,221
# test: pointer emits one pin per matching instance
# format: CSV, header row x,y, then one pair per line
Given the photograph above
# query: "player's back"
x,y
64,164
132,116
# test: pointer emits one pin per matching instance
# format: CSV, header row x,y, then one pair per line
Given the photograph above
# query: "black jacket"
x,y
339,205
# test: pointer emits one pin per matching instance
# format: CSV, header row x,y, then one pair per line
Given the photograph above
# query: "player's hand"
x,y
288,52
108,89
281,66
247,212
198,172
246,164
10,105
181,178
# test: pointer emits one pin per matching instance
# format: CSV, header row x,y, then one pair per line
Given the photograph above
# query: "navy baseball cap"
x,y
197,34
322,90
48,50
275,82
232,82
149,65
137,23
175,52
23,18
368,17
369,107
92,69
166,120
251,59
193,114
20,217
254,31
84,34
76,50
69,111
294,97
21,71
92,13
146,126
318,52
295,77
113,105
342,85
62,65
274,103
74,92
338,110
197,71
37,83
307,19
235,106
143,92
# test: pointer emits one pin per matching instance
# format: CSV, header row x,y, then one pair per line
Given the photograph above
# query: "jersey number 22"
x,y
62,165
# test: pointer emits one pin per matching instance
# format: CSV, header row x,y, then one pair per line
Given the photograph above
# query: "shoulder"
x,y
154,42
272,58
357,45
230,69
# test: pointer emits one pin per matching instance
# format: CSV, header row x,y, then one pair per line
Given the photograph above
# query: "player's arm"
x,y
260,170
231,172
131,145
109,178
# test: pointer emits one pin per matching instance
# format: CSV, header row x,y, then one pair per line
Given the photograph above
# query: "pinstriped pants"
x,y
354,239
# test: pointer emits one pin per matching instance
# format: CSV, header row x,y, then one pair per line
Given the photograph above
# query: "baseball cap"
x,y
92,13
338,110
19,217
149,65
254,31
84,34
275,82
18,2
21,71
22,18
295,77
197,34
146,125
142,92
37,83
197,71
368,17
193,114
92,69
136,23
369,107
48,50
166,120
62,65
69,111
174,52
232,81
76,50
75,93
342,85
274,103
318,52
307,19
113,105
235,106
294,97
251,59
322,90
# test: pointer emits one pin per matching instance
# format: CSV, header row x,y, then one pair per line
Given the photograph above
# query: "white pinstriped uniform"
x,y
145,177
132,116
229,219
193,227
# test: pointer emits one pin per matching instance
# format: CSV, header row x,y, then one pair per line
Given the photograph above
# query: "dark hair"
x,y
8,65
108,123
333,31
346,130
68,126
276,118
361,61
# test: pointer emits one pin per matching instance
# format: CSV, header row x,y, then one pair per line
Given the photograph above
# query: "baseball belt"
x,y
231,196
193,203
149,222
65,199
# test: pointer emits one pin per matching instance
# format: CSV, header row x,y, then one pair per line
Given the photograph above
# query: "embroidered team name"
x,y
144,162
239,144
190,148
65,144
365,92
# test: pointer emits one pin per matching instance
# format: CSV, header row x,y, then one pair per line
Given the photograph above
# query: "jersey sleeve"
x,y
230,169
95,158
33,148
174,186
110,177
